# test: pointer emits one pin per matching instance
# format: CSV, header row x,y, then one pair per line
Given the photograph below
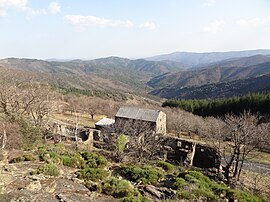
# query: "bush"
x,y
29,157
31,135
50,157
247,197
72,160
25,157
145,174
47,169
93,160
169,168
93,174
184,194
180,183
119,188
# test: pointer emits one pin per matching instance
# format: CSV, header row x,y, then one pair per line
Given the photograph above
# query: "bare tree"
x,y
235,139
143,144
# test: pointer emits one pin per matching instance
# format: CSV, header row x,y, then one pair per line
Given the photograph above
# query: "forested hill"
x,y
209,75
218,90
255,103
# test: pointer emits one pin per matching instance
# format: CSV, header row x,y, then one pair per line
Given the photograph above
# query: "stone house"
x,y
156,118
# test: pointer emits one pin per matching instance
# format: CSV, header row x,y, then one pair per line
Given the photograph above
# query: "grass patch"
x,y
195,185
169,168
93,174
119,188
24,157
247,197
93,160
144,174
47,169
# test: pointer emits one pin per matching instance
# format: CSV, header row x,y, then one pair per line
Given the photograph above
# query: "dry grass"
x,y
83,119
256,182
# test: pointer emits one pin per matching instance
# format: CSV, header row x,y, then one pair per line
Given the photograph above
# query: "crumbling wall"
x,y
189,153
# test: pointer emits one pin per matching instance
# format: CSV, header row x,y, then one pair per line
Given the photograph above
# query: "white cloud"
x,y
22,6
254,21
209,2
214,27
96,21
5,5
148,25
54,7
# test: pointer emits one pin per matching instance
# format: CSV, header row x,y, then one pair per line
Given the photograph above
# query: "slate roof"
x,y
105,122
138,113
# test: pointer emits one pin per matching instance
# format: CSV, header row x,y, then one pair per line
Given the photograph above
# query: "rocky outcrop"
x,y
17,185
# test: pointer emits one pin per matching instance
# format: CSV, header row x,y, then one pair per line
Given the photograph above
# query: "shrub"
x,y
93,174
169,168
93,160
74,160
247,197
29,157
25,157
47,169
50,157
145,174
121,143
184,194
119,188
180,183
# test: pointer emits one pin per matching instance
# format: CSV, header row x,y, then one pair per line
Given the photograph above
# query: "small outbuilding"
x,y
105,123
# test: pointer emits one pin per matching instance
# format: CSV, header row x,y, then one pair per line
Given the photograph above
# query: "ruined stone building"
x,y
156,118
191,153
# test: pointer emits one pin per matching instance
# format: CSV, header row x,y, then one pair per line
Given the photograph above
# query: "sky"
x,y
87,29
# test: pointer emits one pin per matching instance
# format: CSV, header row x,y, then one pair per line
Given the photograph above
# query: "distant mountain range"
x,y
177,75
191,59
223,71
218,90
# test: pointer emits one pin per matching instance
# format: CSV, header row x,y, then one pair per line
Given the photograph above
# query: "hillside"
x,y
163,78
218,90
222,72
197,59
111,73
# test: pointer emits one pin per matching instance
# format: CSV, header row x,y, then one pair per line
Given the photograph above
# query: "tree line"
x,y
255,103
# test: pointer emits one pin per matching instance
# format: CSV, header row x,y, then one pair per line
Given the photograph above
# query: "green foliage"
x,y
169,168
93,160
200,185
50,157
72,160
135,199
121,143
47,169
24,157
194,185
119,188
145,174
32,135
180,183
93,174
247,197
184,194
255,103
